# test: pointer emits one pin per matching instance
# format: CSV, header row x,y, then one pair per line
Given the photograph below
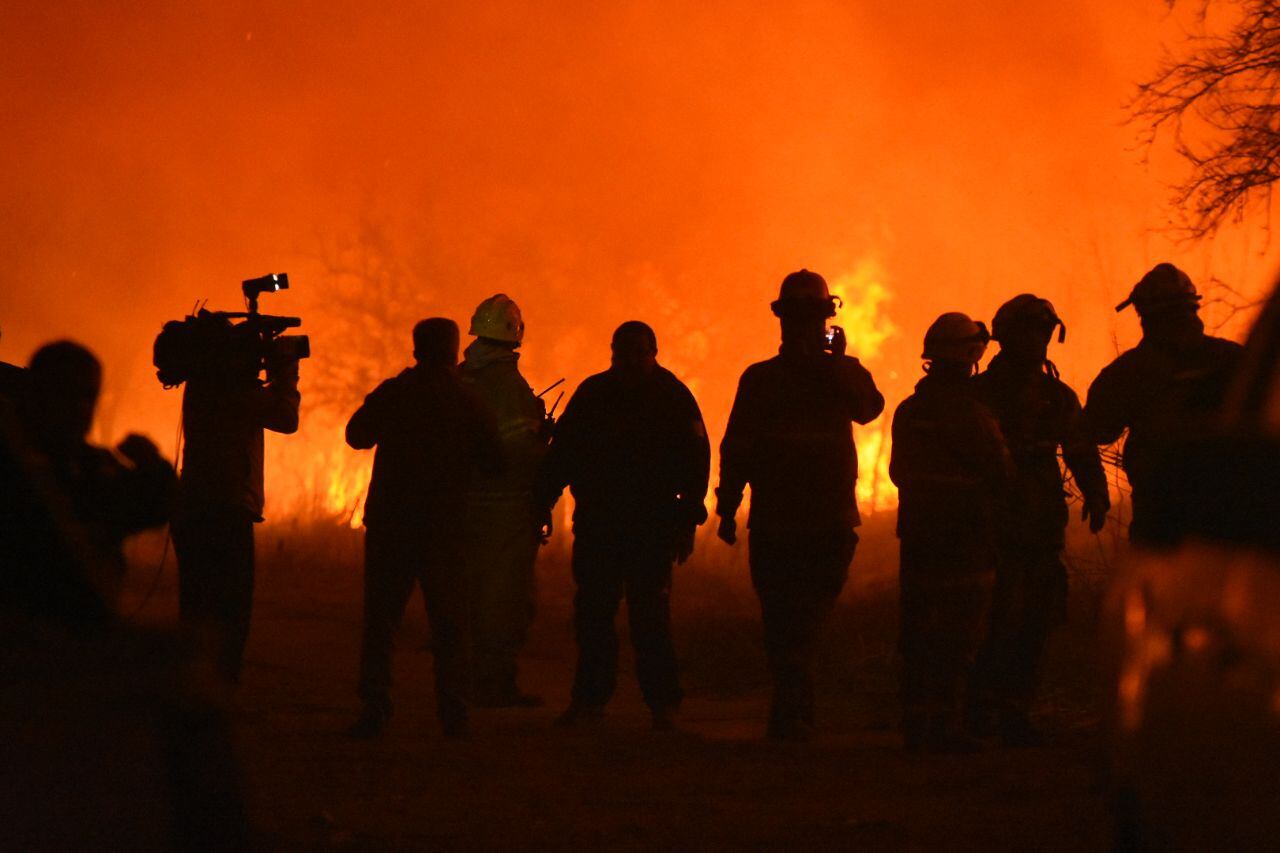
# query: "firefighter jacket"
x,y
431,433
1038,414
951,466
790,438
633,452
1161,396
223,422
491,372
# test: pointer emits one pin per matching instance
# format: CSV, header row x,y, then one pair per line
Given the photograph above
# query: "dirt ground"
x,y
520,783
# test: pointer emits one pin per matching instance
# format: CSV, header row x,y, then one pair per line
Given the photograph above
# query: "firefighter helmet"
x,y
804,293
498,318
1030,310
956,337
1163,287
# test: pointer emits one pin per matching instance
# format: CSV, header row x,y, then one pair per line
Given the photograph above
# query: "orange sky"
x,y
665,161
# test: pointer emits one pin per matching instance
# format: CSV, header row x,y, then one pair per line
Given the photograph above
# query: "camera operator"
x,y
225,409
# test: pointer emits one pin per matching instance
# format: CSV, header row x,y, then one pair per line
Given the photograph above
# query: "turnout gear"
x,y
501,542
498,318
952,470
1164,391
804,293
955,337
1164,287
790,438
1038,415
1026,309
431,433
632,448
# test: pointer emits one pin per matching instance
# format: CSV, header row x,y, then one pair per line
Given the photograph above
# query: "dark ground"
x,y
520,783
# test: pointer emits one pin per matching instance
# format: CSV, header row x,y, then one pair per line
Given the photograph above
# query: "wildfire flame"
x,y
863,295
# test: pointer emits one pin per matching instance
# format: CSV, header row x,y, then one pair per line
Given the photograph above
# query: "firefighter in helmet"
x,y
1163,391
1039,416
501,537
952,471
790,438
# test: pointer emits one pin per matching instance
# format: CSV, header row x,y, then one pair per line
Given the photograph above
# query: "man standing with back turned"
x,y
1163,391
790,438
632,448
431,433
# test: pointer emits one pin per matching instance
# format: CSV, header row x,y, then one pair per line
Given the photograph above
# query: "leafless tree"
x,y
1217,100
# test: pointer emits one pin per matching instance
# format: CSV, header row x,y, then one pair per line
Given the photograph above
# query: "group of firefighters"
x,y
468,467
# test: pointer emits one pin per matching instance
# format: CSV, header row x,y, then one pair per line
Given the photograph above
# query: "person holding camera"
x,y
790,438
225,410
109,495
432,433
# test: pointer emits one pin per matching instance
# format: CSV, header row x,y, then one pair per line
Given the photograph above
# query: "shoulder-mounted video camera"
x,y
226,344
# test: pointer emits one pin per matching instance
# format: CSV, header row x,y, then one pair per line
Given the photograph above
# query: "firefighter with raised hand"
x,y
1039,416
790,438
431,433
952,471
501,541
632,448
1163,391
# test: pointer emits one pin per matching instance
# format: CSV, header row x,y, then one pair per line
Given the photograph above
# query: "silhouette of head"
x,y
1024,326
635,349
65,379
1168,307
954,343
435,342
803,306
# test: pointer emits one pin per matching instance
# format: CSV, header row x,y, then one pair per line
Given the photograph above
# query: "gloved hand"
x,y
1095,511
728,530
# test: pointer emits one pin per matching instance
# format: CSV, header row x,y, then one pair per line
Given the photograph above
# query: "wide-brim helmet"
x,y
956,337
1026,309
1164,287
498,318
804,293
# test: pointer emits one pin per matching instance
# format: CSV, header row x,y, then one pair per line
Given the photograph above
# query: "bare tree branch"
x,y
1218,104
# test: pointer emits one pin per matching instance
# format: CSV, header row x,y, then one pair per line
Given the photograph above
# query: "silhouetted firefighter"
x,y
632,448
502,543
1038,415
108,498
225,409
952,471
790,438
431,432
1163,391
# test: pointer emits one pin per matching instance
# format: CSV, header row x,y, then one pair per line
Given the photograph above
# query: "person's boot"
x,y
577,713
373,719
